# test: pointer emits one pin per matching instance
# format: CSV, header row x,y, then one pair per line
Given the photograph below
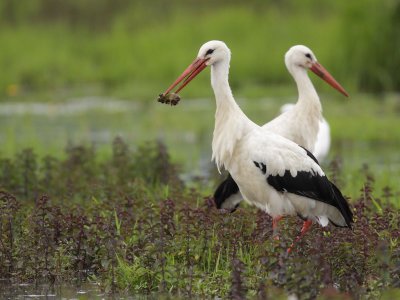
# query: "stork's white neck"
x,y
308,97
226,104
230,121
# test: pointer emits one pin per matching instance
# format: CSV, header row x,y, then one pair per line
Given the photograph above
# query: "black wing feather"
x,y
226,189
311,155
314,186
344,207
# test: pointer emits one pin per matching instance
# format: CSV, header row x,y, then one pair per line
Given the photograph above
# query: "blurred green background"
x,y
133,49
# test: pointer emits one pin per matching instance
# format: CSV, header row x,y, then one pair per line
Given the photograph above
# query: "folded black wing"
x,y
312,185
226,189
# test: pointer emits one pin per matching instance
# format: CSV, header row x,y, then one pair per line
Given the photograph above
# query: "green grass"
x,y
138,49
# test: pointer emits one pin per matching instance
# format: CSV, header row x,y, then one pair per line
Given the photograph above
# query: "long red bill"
x,y
318,69
198,65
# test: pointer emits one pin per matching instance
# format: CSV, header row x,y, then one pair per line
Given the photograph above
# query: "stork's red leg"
x,y
306,226
275,222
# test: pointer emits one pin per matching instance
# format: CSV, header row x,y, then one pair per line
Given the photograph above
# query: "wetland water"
x,y
49,127
186,129
31,291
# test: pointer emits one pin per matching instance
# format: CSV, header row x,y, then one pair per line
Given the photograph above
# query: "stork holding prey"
x,y
300,124
272,172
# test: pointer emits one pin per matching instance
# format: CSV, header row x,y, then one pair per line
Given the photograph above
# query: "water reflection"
x,y
186,130
71,107
44,291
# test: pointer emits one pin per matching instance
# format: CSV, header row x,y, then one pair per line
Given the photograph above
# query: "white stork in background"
x,y
301,123
323,142
272,172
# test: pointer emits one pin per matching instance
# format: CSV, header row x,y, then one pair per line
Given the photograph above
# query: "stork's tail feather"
x,y
343,206
226,189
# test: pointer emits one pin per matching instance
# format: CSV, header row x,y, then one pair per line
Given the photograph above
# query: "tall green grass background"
x,y
133,49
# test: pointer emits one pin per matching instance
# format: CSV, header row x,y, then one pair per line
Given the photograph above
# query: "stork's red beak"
x,y
318,69
198,65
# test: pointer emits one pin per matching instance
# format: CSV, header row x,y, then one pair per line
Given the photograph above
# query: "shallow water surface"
x,y
31,291
358,136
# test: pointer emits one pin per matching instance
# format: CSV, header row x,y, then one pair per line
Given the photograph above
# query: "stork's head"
x,y
209,54
213,52
300,56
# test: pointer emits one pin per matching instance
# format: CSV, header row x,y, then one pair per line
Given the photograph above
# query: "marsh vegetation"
x,y
131,225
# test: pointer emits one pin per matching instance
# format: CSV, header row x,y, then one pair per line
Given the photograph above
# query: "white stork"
x,y
323,142
272,172
300,124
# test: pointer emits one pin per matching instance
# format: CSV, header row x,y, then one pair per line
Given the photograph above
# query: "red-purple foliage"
x,y
74,219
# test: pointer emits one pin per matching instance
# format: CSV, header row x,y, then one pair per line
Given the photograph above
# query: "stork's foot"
x,y
306,226
275,231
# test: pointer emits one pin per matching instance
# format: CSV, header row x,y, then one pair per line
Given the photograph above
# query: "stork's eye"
x,y
308,55
209,51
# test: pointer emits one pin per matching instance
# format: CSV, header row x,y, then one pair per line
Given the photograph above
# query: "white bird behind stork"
x,y
323,142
